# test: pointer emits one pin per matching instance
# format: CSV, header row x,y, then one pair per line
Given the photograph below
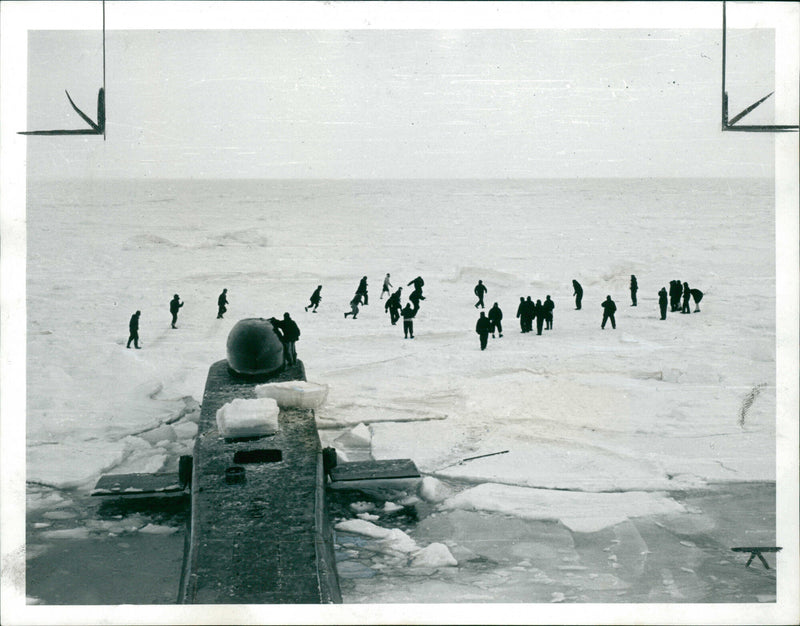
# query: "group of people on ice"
x,y
286,329
541,312
394,306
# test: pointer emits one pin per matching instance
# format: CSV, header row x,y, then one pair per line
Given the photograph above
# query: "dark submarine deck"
x,y
266,540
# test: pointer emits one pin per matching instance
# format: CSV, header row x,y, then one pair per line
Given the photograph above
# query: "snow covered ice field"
x,y
601,426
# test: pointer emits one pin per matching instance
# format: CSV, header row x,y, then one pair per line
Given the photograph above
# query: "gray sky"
x,y
400,103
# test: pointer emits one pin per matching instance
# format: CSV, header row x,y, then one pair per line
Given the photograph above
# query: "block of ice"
x,y
66,533
433,490
248,418
397,540
158,529
579,511
185,430
165,432
434,555
294,394
357,437
362,527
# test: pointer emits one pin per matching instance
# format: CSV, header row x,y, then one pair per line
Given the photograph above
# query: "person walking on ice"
x,y
634,289
408,321
386,287
662,302
354,306
418,284
609,308
362,290
133,328
496,319
482,327
480,290
415,297
578,294
174,306
393,306
314,300
222,304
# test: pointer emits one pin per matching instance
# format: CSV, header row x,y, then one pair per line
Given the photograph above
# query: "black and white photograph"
x,y
399,312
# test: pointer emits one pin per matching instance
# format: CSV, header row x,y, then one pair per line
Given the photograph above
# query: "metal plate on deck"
x,y
137,484
374,470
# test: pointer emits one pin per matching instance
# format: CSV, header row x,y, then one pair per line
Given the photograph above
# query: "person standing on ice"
x,y
480,290
675,294
354,306
386,286
530,314
634,289
483,327
547,306
393,306
291,333
408,321
313,301
662,302
578,294
609,308
133,328
697,295
174,306
496,319
362,290
687,294
521,314
539,314
222,304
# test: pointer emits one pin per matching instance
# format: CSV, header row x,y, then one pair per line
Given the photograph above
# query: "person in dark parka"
x,y
578,294
547,306
687,294
609,308
415,296
662,302
675,291
314,300
529,313
539,315
174,306
362,290
482,327
291,333
521,313
393,306
408,321
480,290
697,295
222,304
133,327
418,284
634,289
495,316
354,306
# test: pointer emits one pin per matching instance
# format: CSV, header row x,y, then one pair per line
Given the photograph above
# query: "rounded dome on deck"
x,y
254,348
